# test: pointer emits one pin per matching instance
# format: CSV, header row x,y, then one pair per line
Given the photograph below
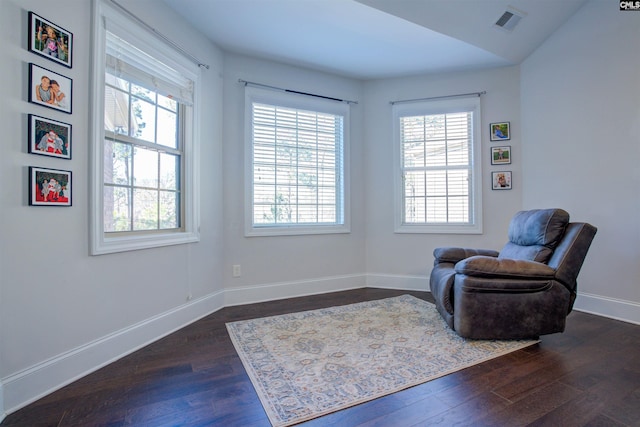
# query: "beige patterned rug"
x,y
305,365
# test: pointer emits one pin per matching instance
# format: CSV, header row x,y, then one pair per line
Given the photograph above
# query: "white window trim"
x,y
120,242
266,96
439,107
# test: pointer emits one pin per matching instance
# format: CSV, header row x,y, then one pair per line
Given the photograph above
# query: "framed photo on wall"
x,y
501,155
500,131
49,137
50,40
501,180
50,89
49,187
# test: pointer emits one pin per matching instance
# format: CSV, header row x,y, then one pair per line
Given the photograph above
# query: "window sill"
x,y
108,245
438,229
296,230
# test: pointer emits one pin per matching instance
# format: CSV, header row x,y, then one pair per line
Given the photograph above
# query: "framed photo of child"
x,y
50,89
501,180
501,155
49,187
49,137
500,131
50,40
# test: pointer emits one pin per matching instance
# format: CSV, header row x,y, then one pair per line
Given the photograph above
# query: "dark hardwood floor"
x,y
587,376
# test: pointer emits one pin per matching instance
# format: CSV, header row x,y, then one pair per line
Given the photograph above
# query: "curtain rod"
x,y
246,83
159,34
404,101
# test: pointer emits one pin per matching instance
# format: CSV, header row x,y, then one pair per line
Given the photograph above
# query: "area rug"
x,y
308,364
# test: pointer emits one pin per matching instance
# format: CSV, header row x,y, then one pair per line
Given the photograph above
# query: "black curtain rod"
x,y
296,91
404,101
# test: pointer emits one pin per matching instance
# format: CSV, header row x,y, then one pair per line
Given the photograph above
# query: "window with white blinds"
x,y
438,167
297,163
144,120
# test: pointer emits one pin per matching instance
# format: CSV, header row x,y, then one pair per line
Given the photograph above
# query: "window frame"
x,y
434,107
301,102
102,242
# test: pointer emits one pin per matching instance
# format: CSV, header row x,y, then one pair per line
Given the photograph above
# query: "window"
x,y
297,149
143,160
438,166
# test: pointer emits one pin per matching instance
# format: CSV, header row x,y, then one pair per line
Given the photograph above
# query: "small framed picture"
x,y
501,180
50,89
49,187
49,137
501,155
50,40
500,131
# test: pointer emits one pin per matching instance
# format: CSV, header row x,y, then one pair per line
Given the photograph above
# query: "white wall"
x,y
581,146
63,312
405,260
275,267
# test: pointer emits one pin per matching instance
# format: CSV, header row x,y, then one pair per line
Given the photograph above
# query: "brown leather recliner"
x,y
525,290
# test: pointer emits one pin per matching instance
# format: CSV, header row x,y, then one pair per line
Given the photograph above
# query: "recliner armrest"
x,y
454,254
485,266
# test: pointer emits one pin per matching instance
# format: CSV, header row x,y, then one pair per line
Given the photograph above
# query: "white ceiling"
x,y
370,39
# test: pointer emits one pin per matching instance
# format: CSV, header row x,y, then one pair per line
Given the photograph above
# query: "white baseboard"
x,y
29,385
395,281
293,289
2,413
626,311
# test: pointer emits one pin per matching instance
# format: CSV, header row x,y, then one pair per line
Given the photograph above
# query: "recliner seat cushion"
x,y
484,266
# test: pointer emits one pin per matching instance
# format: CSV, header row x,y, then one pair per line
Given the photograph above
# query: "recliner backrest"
x,y
534,234
571,251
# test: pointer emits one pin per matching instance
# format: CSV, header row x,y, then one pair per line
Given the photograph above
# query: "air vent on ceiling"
x,y
509,19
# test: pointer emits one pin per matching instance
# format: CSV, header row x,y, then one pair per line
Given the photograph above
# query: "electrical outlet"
x,y
237,270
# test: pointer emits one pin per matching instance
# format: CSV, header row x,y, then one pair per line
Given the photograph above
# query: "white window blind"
x,y
436,160
296,167
125,60
438,167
